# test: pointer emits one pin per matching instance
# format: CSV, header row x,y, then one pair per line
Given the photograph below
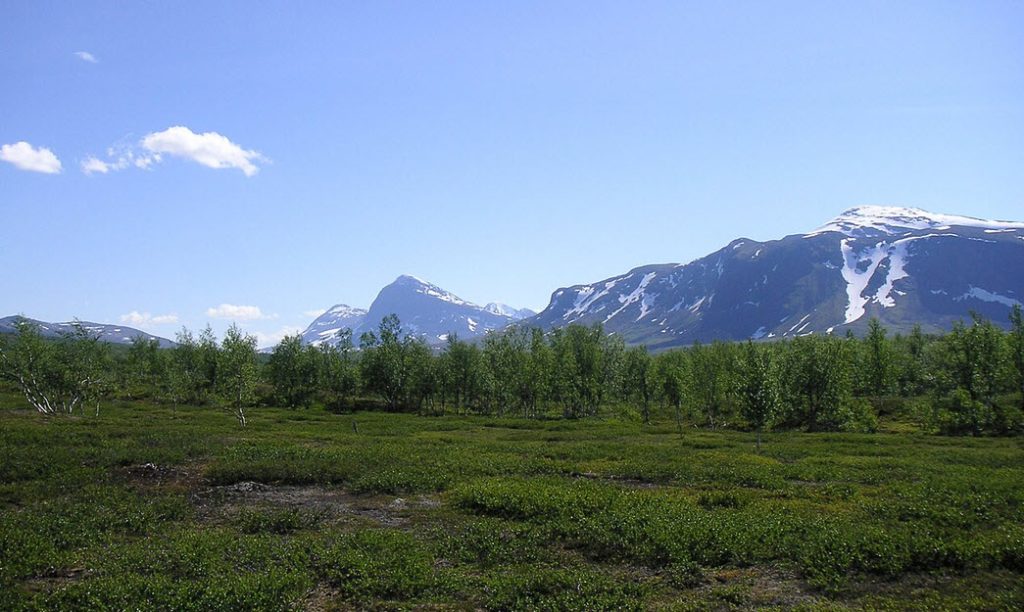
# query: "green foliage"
x,y
1015,349
144,369
713,370
878,372
758,388
276,521
959,414
388,360
584,360
56,377
337,371
381,564
192,370
638,379
556,588
970,358
811,383
816,383
489,542
236,371
147,507
292,371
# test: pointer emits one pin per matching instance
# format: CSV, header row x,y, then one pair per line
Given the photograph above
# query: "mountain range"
x,y
905,266
112,334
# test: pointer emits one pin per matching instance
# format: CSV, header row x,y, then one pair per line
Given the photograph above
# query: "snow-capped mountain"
x,y
424,310
902,265
865,221
326,327
505,310
111,334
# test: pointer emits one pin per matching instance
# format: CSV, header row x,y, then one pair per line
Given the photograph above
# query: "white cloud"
x,y
313,313
119,157
144,162
237,313
26,157
85,56
144,319
92,165
271,339
209,149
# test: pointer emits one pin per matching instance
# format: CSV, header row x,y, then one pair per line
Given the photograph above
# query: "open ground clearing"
x,y
146,505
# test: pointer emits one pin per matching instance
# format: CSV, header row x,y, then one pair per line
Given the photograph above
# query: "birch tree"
x,y
56,376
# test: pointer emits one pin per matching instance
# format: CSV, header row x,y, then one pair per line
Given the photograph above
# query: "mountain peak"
x,y
875,220
410,280
345,310
424,309
505,310
428,289
325,328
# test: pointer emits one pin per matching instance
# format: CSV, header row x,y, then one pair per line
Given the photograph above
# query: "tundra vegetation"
x,y
528,471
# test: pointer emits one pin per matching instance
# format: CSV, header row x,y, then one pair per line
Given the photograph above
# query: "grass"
x,y
147,506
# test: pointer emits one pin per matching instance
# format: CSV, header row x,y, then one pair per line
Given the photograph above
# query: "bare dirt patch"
x,y
625,481
145,476
330,504
56,578
755,587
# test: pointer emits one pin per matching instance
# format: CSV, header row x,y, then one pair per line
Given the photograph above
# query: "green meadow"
x,y
145,506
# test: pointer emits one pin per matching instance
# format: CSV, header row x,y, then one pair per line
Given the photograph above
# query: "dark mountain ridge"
x,y
903,266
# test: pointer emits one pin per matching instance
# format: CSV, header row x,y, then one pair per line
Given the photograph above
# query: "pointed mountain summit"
x,y
901,265
425,310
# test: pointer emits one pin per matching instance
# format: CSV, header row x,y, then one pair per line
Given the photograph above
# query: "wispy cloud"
x,y
26,157
119,157
85,56
209,149
145,319
92,165
236,312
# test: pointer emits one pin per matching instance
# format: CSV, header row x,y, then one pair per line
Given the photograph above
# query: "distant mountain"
x,y
505,310
424,310
111,334
325,327
902,265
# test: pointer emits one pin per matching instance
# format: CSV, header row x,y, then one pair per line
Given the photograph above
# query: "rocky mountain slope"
x,y
113,334
424,309
902,265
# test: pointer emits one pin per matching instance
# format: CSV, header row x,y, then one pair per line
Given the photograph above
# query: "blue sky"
x,y
499,150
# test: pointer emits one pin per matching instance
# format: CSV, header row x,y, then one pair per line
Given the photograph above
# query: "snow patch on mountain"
x,y
637,294
111,334
897,261
857,278
873,220
423,308
988,296
504,310
422,286
325,328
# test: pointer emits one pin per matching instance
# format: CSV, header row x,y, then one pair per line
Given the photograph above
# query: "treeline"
x,y
969,381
